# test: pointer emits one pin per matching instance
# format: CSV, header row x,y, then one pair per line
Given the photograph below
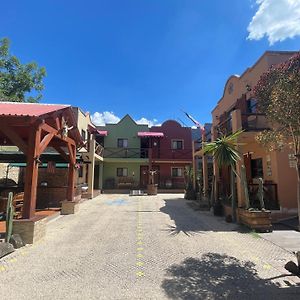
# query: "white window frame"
x,y
124,174
123,146
178,168
177,140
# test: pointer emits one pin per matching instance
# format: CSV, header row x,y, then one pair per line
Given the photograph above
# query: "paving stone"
x,y
185,254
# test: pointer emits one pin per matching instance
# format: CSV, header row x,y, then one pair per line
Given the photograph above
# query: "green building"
x,y
125,155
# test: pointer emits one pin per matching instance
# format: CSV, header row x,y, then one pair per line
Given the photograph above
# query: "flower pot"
x,y
152,189
256,219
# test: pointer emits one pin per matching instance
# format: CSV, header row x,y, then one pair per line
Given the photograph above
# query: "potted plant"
x,y
254,218
152,187
189,192
224,152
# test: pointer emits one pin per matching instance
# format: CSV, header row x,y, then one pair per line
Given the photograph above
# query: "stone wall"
x,y
12,174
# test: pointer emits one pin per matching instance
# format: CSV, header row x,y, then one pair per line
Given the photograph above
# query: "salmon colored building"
x,y
237,110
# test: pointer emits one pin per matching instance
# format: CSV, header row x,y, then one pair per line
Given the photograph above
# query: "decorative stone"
x,y
30,230
69,207
16,241
6,248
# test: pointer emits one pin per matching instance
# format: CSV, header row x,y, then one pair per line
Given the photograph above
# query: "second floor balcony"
x,y
126,153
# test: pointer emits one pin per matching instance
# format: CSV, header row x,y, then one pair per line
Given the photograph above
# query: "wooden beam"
x,y
30,188
63,154
13,136
71,177
71,154
50,129
45,142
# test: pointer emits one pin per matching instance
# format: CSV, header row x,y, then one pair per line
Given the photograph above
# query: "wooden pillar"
x,y
91,168
30,189
150,166
204,167
194,166
71,178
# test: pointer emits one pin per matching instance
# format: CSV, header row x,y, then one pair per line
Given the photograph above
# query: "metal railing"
x,y
99,149
126,152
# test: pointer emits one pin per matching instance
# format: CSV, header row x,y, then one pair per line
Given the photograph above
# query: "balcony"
x,y
172,154
126,152
254,122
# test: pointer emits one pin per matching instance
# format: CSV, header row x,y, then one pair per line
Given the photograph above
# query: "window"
x,y
257,168
83,134
177,172
251,106
177,144
122,143
122,172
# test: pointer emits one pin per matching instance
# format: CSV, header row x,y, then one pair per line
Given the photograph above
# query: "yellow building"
x,y
237,110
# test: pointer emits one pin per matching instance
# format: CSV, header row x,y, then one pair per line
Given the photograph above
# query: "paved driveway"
x,y
156,247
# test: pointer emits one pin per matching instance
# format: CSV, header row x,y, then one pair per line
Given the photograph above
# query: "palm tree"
x,y
224,152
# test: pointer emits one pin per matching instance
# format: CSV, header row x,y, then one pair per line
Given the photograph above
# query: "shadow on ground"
x,y
216,276
190,222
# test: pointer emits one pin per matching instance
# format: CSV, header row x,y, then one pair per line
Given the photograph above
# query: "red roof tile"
x,y
28,109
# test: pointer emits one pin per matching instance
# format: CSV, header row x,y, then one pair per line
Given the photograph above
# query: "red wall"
x,y
163,151
172,130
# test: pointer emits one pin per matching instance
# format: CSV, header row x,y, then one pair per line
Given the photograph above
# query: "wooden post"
x,y
194,166
150,166
71,179
30,189
204,167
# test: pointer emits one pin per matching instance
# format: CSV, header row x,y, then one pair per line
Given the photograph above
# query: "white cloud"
x,y
275,19
108,117
145,121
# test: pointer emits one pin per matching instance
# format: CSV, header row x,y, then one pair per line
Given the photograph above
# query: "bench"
x,y
125,182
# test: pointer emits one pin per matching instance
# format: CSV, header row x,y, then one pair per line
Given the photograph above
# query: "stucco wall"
x,y
110,171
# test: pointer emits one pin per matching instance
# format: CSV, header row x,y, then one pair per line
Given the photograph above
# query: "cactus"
x,y
245,186
260,193
9,217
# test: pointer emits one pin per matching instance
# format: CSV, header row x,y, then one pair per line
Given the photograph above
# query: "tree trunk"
x,y
298,187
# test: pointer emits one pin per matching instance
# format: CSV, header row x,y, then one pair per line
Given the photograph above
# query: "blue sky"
x,y
148,58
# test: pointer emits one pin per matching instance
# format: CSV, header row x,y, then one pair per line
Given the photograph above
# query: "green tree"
x,y
19,82
278,96
224,152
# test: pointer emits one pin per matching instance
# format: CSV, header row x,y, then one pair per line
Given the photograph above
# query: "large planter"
x,y
152,189
258,220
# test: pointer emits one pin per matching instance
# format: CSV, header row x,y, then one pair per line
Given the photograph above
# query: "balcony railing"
x,y
172,154
126,152
99,149
254,122
225,127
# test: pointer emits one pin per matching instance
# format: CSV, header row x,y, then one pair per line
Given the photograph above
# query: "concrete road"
x,y
146,247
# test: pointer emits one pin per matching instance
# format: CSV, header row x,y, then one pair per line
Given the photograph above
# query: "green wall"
x,y
126,129
110,171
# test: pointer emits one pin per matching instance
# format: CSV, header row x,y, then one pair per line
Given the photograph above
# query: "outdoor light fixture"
x,y
248,88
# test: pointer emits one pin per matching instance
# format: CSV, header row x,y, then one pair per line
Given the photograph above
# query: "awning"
x,y
102,132
94,130
150,134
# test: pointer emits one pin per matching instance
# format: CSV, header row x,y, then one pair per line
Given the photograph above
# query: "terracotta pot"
x,y
152,189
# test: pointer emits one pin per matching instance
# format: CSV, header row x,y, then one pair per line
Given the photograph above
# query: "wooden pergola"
x,y
33,128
